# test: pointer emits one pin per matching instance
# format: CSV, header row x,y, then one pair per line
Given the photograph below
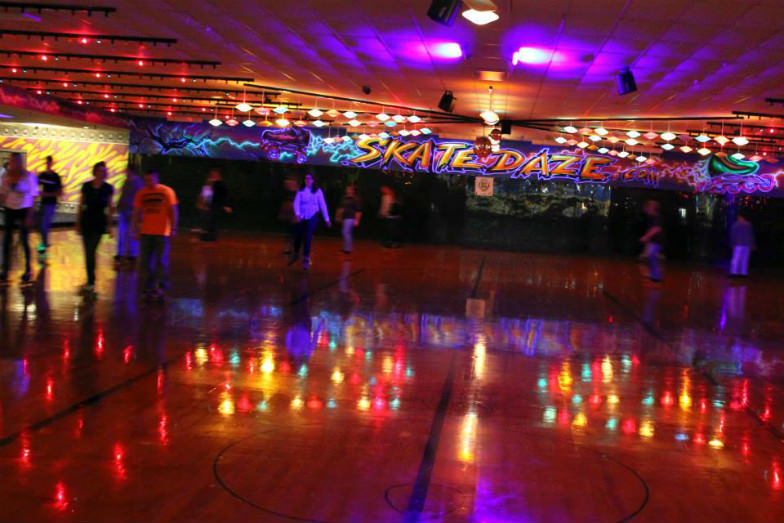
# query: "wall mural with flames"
x,y
427,155
73,160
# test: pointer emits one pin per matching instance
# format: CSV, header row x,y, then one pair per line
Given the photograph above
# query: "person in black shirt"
x,y
652,239
51,190
94,218
217,205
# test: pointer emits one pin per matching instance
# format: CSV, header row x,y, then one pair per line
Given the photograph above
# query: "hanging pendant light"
x,y
570,129
315,112
243,106
686,149
248,123
319,123
350,115
414,119
490,117
703,151
560,139
382,116
281,122
667,146
633,134
738,155
399,118
601,131
702,138
668,136
216,122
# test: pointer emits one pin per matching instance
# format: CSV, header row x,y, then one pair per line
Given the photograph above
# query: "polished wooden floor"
x,y
413,384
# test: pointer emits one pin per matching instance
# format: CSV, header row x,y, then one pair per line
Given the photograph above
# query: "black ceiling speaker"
x,y
447,102
444,11
506,128
626,83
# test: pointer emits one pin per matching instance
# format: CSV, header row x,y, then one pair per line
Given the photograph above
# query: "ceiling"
x,y
689,57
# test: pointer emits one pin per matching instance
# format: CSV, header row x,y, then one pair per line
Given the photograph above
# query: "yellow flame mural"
x,y
73,161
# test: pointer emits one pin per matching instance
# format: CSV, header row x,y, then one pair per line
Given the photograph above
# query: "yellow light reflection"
x,y
297,403
613,399
226,406
468,438
580,420
480,356
268,365
716,443
387,365
607,370
363,403
647,429
338,376
201,356
565,377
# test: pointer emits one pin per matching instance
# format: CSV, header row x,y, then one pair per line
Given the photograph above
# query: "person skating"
x,y
742,242
214,200
350,213
652,239
18,190
51,188
308,202
94,219
155,221
127,243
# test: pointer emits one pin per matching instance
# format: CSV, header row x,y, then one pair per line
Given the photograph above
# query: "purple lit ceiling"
x,y
689,57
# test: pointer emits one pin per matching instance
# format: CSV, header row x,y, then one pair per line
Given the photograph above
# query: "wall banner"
x,y
428,155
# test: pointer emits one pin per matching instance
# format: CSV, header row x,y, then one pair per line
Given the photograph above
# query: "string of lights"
x,y
140,61
16,69
88,38
120,85
72,8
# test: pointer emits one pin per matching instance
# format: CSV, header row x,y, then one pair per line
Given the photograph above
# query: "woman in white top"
x,y
307,204
18,191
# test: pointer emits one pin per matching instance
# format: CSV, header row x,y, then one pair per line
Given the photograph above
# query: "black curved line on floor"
x,y
240,497
646,497
416,502
99,396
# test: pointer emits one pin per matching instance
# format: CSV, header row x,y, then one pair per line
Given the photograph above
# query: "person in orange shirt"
x,y
155,222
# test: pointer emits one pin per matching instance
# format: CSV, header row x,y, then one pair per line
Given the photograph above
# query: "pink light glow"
x,y
535,56
448,50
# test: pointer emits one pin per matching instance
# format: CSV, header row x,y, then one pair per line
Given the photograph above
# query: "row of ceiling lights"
x,y
600,133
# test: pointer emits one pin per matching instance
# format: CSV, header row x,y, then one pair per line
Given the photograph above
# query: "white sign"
x,y
483,186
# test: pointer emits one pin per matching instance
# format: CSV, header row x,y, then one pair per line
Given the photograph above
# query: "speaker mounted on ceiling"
x,y
444,11
626,83
447,102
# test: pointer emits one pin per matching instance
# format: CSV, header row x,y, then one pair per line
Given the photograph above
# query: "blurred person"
x,y
390,214
742,242
652,240
213,201
308,202
155,222
18,190
349,212
94,219
127,244
51,188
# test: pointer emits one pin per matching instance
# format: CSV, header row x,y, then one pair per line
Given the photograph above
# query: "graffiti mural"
x,y
72,160
429,155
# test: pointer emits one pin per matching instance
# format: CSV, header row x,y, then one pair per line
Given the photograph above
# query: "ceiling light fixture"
x,y
382,116
632,141
215,122
601,131
623,154
248,123
383,135
668,136
667,146
354,123
231,122
740,140
480,17
350,115
721,140
404,132
282,122
613,139
702,138
650,135
583,144
315,112
280,109
560,139
423,130
704,151
414,119
738,155
686,149
603,150
641,158
319,123
632,134
399,118
570,129
490,117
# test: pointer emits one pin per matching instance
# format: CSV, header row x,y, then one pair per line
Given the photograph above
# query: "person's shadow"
x,y
302,335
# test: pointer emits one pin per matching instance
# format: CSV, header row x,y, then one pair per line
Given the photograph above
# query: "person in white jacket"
x,y
18,191
308,202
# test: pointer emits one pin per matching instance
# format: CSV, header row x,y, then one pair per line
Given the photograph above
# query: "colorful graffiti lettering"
x,y
516,160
